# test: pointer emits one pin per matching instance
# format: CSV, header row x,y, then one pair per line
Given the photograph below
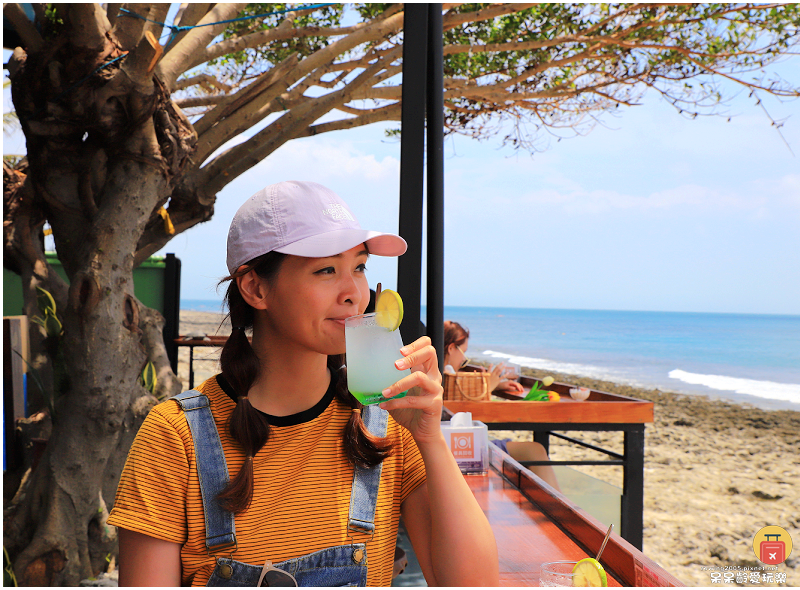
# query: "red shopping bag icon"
x,y
772,552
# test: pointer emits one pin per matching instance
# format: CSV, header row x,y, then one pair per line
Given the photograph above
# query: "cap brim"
x,y
336,242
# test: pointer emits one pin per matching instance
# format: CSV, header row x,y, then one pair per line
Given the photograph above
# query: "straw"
x,y
603,546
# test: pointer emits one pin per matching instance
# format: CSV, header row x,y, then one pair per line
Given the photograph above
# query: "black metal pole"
x,y
632,508
172,308
412,161
435,192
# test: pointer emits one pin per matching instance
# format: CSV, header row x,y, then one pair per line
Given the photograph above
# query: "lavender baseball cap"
x,y
304,219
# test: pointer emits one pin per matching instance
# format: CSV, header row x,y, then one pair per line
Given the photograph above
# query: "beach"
x,y
715,472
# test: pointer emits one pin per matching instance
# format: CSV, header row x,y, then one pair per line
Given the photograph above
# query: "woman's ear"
x,y
449,350
253,290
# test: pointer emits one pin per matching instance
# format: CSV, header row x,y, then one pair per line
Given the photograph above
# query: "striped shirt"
x,y
302,486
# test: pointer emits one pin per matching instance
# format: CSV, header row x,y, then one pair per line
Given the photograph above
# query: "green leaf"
x,y
45,301
52,325
9,579
149,378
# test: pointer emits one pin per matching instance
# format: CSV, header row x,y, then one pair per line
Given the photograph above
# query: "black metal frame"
x,y
172,307
422,98
631,461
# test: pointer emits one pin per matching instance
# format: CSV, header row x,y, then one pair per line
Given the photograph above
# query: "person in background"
x,y
456,342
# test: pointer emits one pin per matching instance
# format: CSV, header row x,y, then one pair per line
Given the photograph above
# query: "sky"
x,y
649,211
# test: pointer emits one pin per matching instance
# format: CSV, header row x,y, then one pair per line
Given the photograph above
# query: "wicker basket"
x,y
466,386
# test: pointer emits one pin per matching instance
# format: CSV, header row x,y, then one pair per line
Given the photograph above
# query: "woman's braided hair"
x,y
250,427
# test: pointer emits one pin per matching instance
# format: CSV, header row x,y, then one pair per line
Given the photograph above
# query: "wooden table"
x,y
601,412
534,524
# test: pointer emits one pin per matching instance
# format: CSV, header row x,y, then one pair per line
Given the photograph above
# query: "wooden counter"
x,y
534,524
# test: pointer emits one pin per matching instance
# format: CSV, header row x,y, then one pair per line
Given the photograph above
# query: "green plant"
x,y
47,306
9,579
149,378
537,394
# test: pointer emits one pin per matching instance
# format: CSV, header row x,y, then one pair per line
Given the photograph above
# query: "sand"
x,y
715,472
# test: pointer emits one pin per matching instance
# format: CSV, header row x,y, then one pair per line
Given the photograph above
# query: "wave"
x,y
788,392
595,372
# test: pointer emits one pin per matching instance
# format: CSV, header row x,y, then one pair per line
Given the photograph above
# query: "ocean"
x,y
745,358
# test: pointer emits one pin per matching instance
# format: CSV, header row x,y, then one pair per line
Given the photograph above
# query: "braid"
x,y
362,448
240,368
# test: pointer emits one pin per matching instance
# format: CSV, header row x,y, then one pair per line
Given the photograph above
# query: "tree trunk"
x,y
105,150
99,411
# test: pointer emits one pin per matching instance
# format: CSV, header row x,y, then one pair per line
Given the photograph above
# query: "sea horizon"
x,y
740,357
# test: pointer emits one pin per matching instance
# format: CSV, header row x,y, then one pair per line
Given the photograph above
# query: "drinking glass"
x,y
557,573
371,353
512,371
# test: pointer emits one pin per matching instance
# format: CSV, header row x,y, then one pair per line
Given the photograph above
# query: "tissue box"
x,y
469,442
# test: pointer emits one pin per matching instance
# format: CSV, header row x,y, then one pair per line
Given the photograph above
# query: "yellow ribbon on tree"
x,y
168,227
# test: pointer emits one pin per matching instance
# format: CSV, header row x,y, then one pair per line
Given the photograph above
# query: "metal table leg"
x,y
543,438
633,487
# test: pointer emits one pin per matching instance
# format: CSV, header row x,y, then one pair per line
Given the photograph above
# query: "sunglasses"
x,y
466,360
272,576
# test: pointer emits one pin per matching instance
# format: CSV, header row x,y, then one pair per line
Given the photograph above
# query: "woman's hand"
x,y
420,411
496,374
509,387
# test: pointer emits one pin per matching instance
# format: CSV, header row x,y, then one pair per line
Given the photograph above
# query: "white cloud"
x,y
326,159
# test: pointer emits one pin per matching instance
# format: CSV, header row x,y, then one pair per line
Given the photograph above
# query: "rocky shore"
x,y
715,472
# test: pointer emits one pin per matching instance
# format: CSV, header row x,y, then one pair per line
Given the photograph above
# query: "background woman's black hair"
x,y
249,427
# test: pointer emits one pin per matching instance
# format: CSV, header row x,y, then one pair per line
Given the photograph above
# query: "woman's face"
x,y
310,298
456,355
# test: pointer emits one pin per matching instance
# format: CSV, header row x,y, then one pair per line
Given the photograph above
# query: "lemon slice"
x,y
389,310
589,572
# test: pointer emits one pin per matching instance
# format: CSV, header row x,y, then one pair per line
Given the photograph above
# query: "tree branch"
x,y
25,28
202,80
89,26
141,61
244,109
191,15
390,113
453,19
158,13
112,13
200,101
239,159
182,54
261,38
128,29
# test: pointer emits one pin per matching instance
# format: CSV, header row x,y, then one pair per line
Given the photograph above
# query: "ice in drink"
x,y
371,353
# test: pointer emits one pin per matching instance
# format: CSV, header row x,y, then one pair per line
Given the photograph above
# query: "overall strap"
x,y
212,469
364,494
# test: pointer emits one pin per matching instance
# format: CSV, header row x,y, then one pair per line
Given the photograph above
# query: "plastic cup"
x,y
557,573
371,353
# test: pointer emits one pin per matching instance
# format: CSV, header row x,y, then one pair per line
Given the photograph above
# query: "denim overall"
x,y
345,565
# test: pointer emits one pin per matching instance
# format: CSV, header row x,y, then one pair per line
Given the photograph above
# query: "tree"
x,y
129,141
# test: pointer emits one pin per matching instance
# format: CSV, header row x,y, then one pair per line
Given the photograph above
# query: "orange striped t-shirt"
x,y
302,487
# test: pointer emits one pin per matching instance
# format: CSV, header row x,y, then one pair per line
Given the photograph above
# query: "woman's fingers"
x,y
418,379
419,353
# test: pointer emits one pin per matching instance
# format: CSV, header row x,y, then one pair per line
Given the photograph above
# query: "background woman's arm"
x,y
147,561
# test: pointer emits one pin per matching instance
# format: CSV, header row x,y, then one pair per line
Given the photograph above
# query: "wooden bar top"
x,y
534,524
526,538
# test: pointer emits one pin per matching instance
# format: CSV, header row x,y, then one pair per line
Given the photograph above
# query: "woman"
x,y
456,342
318,481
